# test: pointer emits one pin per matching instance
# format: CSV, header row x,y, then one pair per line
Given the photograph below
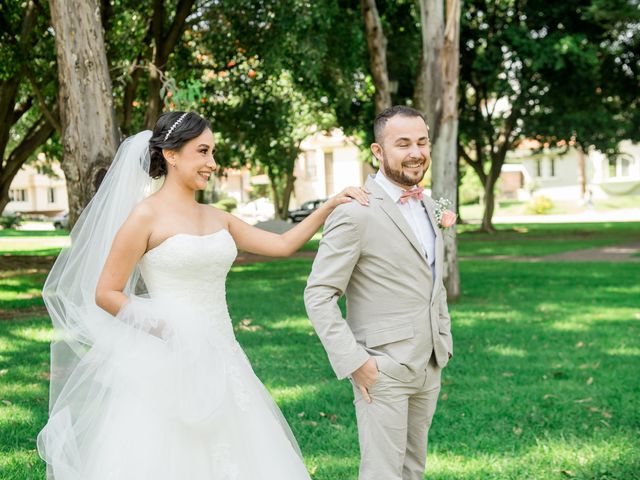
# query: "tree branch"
x,y
55,122
169,41
39,132
21,109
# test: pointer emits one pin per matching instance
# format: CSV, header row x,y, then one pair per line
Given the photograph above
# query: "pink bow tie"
x,y
414,192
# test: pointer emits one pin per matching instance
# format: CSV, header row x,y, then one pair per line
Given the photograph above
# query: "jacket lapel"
x,y
392,211
439,243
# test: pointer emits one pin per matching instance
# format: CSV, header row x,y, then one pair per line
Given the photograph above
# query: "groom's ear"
x,y
376,149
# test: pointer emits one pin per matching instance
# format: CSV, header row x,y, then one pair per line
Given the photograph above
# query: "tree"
x,y
436,94
28,116
89,128
434,91
377,46
267,82
563,71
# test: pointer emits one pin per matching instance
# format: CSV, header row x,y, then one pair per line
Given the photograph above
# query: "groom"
x,y
387,259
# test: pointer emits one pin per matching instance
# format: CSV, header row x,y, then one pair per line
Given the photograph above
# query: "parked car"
x,y
306,209
61,222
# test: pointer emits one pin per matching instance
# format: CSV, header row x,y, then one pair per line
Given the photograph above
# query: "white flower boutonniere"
x,y
445,218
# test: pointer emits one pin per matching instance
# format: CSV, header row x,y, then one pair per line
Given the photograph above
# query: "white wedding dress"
x,y
166,392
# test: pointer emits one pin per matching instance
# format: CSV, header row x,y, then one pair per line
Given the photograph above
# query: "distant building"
x,y
35,193
555,173
329,162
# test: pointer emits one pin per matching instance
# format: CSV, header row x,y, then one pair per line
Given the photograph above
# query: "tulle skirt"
x,y
165,392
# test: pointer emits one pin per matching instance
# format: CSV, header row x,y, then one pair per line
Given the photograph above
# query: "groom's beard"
x,y
401,178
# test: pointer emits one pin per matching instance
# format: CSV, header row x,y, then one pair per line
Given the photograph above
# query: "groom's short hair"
x,y
383,117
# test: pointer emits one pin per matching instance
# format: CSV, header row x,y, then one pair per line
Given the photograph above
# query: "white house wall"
x,y
37,186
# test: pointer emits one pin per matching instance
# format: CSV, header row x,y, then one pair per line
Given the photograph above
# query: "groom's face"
x,y
404,153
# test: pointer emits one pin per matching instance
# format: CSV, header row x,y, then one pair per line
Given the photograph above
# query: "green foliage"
x,y
226,204
540,205
470,189
11,220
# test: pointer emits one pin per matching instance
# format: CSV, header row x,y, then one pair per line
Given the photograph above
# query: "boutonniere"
x,y
445,217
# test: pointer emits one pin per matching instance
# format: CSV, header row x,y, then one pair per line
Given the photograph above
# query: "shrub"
x,y
540,205
11,220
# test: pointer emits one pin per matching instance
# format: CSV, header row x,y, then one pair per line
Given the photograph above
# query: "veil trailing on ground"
x,y
69,291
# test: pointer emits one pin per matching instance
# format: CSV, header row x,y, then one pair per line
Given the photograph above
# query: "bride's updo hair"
x,y
172,131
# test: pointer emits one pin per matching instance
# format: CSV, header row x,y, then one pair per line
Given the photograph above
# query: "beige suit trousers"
x,y
393,429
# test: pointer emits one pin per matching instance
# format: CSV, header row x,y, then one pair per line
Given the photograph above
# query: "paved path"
x,y
625,253
587,216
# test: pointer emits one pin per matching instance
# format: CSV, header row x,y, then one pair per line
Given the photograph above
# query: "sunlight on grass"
x,y
567,457
9,414
43,335
296,323
624,351
297,392
507,351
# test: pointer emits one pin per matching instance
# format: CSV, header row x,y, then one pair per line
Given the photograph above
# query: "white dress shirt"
x,y
416,216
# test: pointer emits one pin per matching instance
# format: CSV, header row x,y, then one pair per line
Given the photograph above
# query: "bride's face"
x,y
194,163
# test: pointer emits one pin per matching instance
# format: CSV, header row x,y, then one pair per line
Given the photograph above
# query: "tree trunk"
x,y
89,129
437,96
377,46
582,171
275,195
286,196
489,203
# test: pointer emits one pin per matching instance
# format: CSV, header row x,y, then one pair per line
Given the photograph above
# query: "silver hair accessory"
x,y
173,127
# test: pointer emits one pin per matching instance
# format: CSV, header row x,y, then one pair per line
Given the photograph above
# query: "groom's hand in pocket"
x,y
365,377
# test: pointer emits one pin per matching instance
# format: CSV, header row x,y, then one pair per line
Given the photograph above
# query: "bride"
x,y
147,379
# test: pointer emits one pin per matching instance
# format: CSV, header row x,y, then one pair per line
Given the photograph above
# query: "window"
x,y
18,195
538,168
310,167
623,167
618,166
552,167
51,195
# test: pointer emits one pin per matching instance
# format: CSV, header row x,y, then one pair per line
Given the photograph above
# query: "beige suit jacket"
x,y
395,310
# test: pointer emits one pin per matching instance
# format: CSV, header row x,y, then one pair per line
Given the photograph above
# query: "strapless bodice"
x,y
191,269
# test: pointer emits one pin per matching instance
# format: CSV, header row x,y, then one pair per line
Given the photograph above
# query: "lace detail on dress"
x,y
192,270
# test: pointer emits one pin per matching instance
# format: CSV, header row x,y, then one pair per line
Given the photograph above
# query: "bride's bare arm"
x,y
255,240
128,246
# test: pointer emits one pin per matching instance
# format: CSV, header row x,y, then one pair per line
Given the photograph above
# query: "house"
x,y
35,193
329,162
556,173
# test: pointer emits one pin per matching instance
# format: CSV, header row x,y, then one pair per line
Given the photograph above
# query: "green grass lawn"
x,y
544,239
33,242
543,385
510,239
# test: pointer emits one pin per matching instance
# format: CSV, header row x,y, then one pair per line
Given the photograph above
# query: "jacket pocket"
x,y
389,335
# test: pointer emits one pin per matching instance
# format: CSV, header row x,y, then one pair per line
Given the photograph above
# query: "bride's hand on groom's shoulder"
x,y
360,194
365,377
